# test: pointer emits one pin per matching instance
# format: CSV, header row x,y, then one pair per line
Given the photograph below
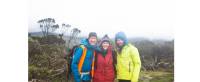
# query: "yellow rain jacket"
x,y
128,63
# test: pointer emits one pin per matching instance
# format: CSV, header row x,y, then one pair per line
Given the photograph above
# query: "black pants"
x,y
86,81
121,80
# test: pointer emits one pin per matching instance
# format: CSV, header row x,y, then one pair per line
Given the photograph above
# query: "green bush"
x,y
45,60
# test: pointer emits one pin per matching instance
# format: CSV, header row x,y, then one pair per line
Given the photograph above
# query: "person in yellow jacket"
x,y
128,59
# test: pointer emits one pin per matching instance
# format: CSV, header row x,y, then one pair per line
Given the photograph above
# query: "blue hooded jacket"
x,y
87,65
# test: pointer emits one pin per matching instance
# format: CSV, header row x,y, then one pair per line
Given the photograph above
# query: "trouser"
x,y
122,80
86,81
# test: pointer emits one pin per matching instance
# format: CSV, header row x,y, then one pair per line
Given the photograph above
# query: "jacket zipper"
x,y
129,67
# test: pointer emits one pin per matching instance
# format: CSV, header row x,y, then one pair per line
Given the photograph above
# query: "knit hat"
x,y
105,39
92,34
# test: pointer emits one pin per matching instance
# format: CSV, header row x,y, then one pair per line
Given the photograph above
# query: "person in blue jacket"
x,y
90,44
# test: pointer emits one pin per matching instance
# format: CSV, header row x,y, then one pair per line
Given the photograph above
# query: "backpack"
x,y
70,55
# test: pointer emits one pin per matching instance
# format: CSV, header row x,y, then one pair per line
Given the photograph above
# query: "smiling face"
x,y
105,45
92,40
119,42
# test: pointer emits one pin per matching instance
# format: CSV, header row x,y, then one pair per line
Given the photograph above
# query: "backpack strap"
x,y
93,62
80,64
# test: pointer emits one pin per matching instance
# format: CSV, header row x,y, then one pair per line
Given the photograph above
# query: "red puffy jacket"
x,y
104,67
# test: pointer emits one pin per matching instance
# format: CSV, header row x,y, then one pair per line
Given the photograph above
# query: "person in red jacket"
x,y
104,63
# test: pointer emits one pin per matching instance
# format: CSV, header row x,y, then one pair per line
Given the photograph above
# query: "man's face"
x,y
92,40
105,45
120,42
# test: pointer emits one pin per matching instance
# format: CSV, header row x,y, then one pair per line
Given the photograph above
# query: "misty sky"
x,y
137,18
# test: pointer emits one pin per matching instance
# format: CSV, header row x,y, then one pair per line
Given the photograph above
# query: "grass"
x,y
156,76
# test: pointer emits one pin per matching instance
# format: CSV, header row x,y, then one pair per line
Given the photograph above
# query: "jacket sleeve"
x,y
137,64
74,66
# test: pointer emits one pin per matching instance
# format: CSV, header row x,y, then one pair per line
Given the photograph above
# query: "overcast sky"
x,y
137,18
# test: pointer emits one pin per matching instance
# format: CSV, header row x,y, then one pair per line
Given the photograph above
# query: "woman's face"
x,y
105,45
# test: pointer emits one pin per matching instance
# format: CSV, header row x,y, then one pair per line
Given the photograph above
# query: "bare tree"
x,y
47,25
64,29
73,35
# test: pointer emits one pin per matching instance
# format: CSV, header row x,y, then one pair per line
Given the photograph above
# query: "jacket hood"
x,y
122,36
86,43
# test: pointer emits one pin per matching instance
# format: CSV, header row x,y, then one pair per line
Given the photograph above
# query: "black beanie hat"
x,y
92,34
